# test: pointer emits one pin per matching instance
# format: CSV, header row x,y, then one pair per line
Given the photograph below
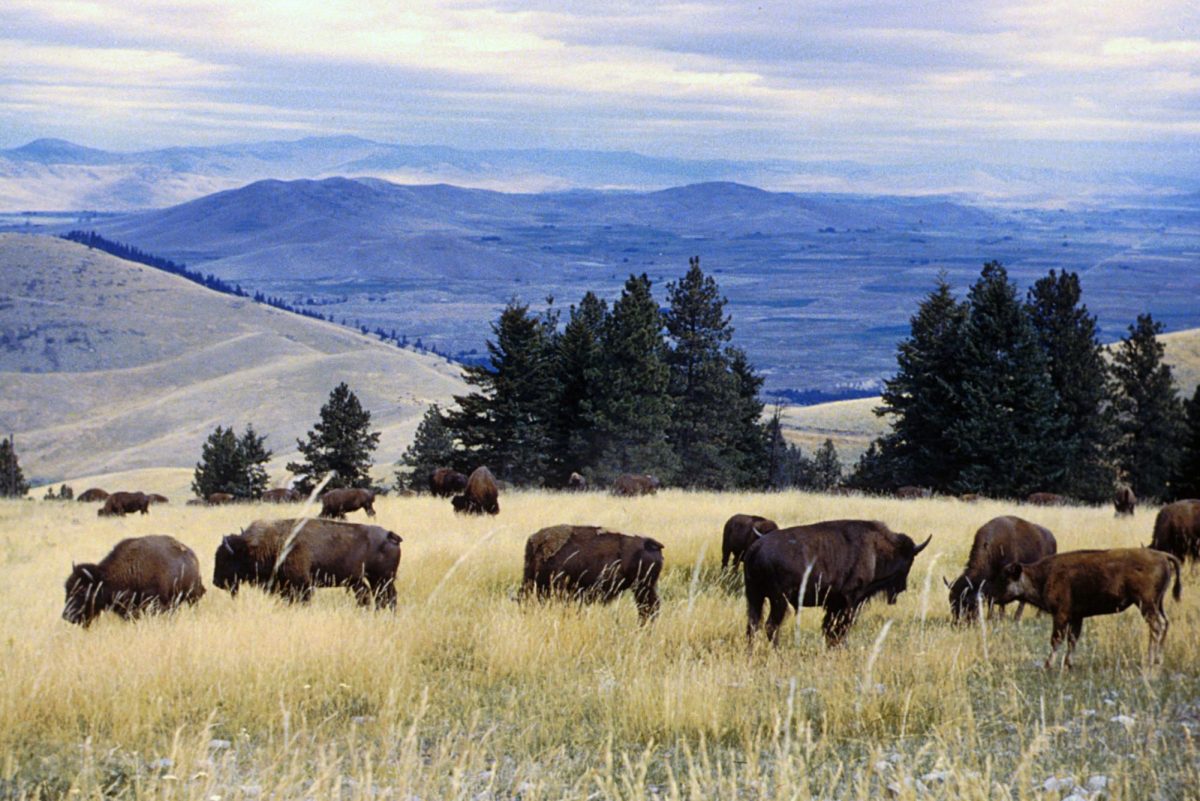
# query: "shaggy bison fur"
x,y
92,495
337,503
1177,530
998,543
124,503
142,574
445,482
480,496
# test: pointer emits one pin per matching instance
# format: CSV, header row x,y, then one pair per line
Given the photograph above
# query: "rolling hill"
x,y
109,366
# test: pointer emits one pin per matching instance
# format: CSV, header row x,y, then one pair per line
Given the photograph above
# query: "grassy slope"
x,y
464,694
150,364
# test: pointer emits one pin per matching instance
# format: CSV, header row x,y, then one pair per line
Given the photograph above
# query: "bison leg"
x,y
647,602
754,603
837,622
1020,609
779,607
385,595
1156,619
1072,638
726,555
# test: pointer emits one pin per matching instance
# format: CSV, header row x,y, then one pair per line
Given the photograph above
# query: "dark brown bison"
x,y
740,531
92,495
630,485
593,564
143,574
124,503
1078,584
220,498
156,498
1046,499
1177,530
577,483
1124,500
337,503
480,495
445,482
282,495
315,553
836,564
998,543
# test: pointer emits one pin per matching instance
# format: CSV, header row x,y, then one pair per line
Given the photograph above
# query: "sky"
x,y
1036,82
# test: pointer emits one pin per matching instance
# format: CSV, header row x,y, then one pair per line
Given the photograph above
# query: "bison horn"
x,y
87,574
754,528
922,546
226,544
947,583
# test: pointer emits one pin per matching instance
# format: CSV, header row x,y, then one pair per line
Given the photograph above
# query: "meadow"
x,y
464,693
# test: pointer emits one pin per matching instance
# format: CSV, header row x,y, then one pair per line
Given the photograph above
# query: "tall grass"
x,y
464,693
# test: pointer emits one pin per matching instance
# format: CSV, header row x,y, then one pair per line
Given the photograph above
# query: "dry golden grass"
x,y
463,693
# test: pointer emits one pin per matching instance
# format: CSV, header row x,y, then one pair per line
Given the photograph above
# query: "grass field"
x,y
463,693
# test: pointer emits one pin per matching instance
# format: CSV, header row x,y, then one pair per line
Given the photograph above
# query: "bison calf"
x,y
739,532
593,564
444,482
480,496
337,503
998,543
142,574
1080,584
294,557
124,503
1177,530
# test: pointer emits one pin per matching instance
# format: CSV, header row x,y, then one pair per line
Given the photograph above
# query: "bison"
x,y
577,483
156,498
835,564
740,531
910,492
293,557
142,574
1177,530
124,503
282,495
1124,500
630,485
337,503
998,543
593,564
445,482
1046,499
480,495
1078,584
220,498
92,495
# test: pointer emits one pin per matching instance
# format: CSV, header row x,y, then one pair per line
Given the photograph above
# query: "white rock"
x,y
1075,796
1097,783
936,776
882,766
162,764
218,745
1057,785
1124,720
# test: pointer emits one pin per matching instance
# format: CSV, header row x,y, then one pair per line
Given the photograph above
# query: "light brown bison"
x,y
739,532
143,574
315,553
630,485
1124,500
337,503
910,492
445,482
577,483
124,503
220,498
593,564
969,497
282,495
481,495
92,495
998,543
1046,499
1177,530
1079,584
837,564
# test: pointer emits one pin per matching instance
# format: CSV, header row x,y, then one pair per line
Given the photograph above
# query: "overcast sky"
x,y
1038,82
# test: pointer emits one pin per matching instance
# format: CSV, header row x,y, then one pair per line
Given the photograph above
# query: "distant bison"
x,y
1124,500
910,492
593,564
577,483
837,564
969,497
337,503
1079,584
92,495
143,574
1177,530
998,543
124,503
480,496
630,484
282,495
1046,499
445,482
739,532
315,553
220,498
156,498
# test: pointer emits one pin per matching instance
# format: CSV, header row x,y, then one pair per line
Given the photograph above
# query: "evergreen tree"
x,y
747,438
776,450
1079,374
826,467
1150,417
1009,439
1186,483
579,358
232,465
12,480
252,450
341,442
431,448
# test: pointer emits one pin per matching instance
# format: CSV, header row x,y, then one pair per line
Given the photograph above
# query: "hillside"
x,y
109,365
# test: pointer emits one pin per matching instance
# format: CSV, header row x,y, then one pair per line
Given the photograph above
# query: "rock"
x,y
1097,783
219,745
1124,720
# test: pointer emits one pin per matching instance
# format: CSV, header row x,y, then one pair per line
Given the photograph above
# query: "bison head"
x,y
1014,585
82,588
964,599
232,563
894,570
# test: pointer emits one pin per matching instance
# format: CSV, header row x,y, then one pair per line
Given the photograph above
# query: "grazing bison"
x,y
740,531
1177,530
910,492
1078,584
124,503
836,564
1046,499
480,495
195,502
220,498
998,543
282,495
1124,500
337,503
156,498
629,485
322,553
593,564
92,495
577,483
445,482
969,497
143,574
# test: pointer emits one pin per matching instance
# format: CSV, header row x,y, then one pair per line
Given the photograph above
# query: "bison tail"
x,y
1178,590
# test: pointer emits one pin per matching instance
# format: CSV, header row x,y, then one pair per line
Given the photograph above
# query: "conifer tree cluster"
x,y
341,442
626,388
431,448
12,480
232,464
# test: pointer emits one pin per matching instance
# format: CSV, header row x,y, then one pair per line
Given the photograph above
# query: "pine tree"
x,y
747,438
232,465
579,358
431,448
12,480
1009,440
1186,483
252,450
1080,376
341,442
1150,417
826,467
